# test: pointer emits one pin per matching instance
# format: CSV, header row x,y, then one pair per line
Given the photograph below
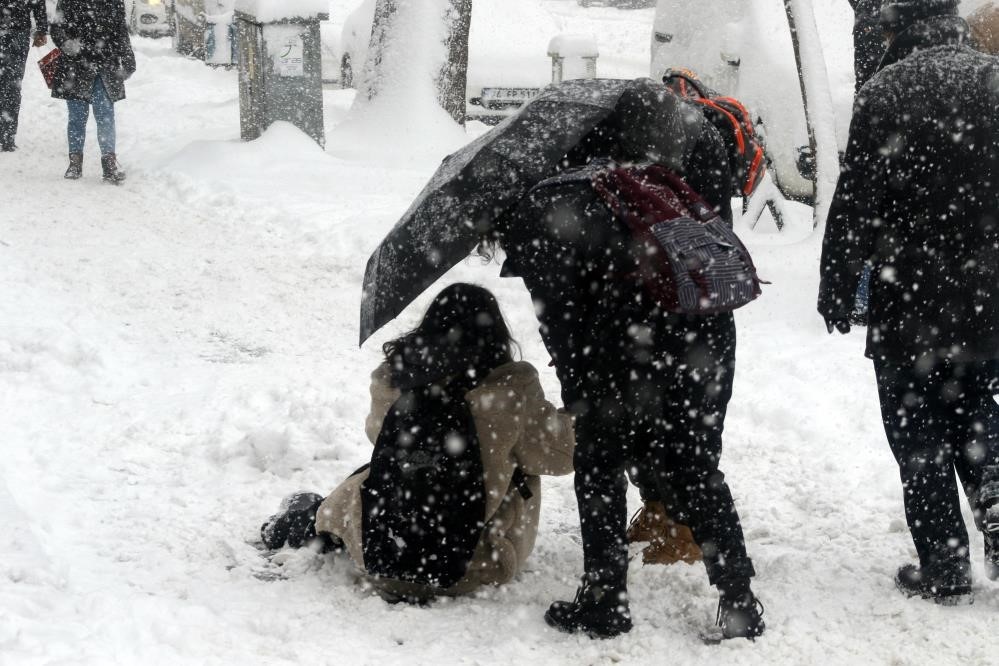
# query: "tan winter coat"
x,y
516,426
984,24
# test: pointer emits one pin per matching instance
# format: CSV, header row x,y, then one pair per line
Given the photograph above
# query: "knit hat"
x,y
897,15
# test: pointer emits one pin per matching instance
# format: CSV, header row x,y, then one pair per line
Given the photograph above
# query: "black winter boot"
x,y
294,523
112,170
947,587
599,611
75,169
740,613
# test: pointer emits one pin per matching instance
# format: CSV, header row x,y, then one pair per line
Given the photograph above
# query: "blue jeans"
x,y
79,111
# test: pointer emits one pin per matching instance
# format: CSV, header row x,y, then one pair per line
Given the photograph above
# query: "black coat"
x,y
868,39
918,198
93,38
564,242
16,15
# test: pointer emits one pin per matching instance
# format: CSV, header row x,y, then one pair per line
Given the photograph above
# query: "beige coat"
x,y
984,24
516,427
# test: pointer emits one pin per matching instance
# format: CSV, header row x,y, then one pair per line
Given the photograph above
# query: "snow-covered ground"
x,y
178,353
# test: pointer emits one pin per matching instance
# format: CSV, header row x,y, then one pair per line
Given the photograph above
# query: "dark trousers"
x,y
13,56
655,401
941,420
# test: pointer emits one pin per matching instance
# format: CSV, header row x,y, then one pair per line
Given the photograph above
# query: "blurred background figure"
x,y
984,23
868,39
15,35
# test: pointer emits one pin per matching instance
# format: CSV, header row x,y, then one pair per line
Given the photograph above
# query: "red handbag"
x,y
48,65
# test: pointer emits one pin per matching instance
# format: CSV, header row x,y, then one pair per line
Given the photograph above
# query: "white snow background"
x,y
178,353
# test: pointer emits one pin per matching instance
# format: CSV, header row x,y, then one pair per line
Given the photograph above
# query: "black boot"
x,y
948,586
112,170
599,611
740,613
75,169
294,523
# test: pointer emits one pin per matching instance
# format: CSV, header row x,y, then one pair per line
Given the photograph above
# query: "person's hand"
x,y
40,39
841,325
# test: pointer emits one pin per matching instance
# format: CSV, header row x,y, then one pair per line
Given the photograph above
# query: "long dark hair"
x,y
462,336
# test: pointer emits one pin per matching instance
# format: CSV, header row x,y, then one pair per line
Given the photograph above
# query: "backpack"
x,y
688,259
747,151
423,503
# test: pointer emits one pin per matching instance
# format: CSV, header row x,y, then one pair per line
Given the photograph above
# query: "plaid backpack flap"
x,y
690,261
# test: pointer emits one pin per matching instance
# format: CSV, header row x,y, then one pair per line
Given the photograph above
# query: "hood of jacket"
x,y
926,34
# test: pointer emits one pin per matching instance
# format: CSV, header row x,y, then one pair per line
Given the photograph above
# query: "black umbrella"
x,y
476,185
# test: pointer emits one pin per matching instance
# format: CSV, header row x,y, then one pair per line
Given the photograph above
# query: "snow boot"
x,y
75,169
740,613
950,587
8,148
294,523
599,611
111,168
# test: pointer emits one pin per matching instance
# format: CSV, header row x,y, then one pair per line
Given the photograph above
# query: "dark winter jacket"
x,y
565,261
868,39
16,15
918,197
93,38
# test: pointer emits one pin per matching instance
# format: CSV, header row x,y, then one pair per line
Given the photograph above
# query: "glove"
x,y
841,325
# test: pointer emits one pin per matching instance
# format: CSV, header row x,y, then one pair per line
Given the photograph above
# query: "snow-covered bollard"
x,y
280,65
573,57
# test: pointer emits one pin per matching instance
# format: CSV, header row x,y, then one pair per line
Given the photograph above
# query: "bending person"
x,y
457,506
649,389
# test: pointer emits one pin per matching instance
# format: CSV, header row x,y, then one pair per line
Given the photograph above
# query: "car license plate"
x,y
510,94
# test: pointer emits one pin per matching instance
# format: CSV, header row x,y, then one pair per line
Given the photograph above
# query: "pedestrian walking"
x,y
917,199
96,61
868,40
16,17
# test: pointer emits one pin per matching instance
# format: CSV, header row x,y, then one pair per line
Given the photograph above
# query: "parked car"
x,y
150,18
508,54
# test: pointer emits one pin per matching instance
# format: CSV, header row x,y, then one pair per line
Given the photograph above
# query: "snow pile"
x,y
268,11
574,46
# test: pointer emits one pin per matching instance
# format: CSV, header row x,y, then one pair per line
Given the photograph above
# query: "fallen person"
x,y
451,498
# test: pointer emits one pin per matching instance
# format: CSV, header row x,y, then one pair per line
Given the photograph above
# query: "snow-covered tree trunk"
x,y
452,80
418,52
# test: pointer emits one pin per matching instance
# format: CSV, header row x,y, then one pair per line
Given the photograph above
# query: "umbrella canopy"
x,y
478,184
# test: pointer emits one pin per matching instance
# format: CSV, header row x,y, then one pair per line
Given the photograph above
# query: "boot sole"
x,y
587,631
962,598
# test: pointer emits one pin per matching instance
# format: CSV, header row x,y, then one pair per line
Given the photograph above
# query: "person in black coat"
x,y
868,39
15,35
649,389
918,199
96,60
